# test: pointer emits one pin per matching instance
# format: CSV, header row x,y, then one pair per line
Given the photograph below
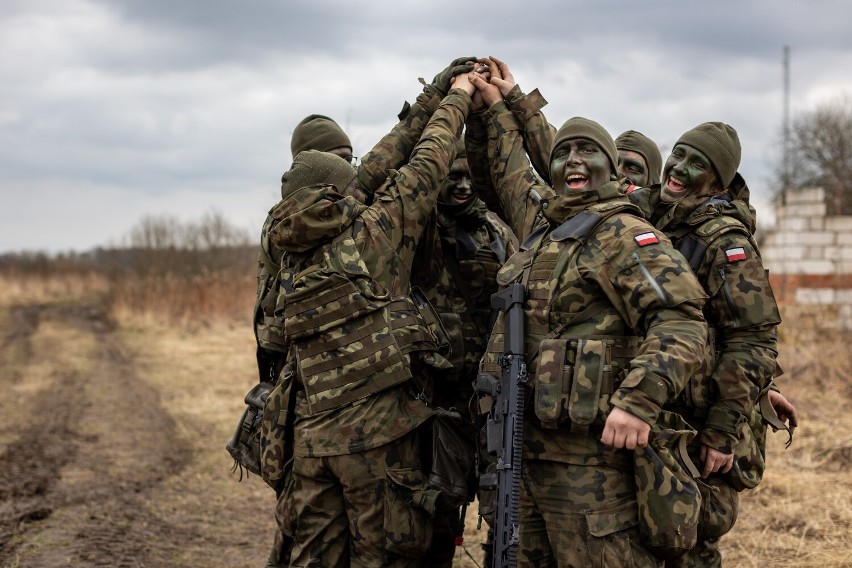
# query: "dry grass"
x,y
183,300
33,288
801,514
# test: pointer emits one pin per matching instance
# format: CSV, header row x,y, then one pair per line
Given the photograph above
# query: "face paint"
x,y
457,186
688,172
578,164
632,165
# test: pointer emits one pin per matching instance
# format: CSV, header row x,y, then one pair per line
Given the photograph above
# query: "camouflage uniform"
x,y
318,132
617,313
456,267
359,496
716,236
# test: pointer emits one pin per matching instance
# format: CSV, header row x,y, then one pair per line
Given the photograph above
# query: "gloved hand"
x,y
441,82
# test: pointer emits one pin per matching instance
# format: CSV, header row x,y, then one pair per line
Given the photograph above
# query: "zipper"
x,y
729,299
664,296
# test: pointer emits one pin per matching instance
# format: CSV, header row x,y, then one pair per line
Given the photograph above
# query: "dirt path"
x,y
86,445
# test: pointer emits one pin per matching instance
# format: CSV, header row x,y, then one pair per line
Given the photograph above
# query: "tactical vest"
x,y
473,273
349,337
574,369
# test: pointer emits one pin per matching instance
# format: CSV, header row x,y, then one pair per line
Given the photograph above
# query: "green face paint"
x,y
688,172
578,164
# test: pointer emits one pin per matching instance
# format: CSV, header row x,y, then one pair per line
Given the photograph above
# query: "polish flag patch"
x,y
736,254
646,239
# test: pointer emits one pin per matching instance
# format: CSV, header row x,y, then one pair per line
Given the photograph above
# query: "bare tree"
x,y
821,152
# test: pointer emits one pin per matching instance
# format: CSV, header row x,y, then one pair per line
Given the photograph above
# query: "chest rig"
x,y
575,366
471,261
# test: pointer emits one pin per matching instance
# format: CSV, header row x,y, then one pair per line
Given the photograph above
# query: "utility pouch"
x,y
553,383
277,431
451,464
589,368
245,444
666,488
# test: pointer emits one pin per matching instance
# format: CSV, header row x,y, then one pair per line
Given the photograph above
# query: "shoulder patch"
x,y
736,254
646,239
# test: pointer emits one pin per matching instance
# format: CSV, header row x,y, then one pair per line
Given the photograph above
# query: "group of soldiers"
x,y
646,302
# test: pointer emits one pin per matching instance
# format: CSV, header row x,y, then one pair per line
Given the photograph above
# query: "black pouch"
x,y
244,445
451,464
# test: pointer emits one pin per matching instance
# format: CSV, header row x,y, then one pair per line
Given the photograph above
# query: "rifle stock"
x,y
505,425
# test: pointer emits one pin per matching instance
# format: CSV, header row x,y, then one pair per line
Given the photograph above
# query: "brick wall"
x,y
809,255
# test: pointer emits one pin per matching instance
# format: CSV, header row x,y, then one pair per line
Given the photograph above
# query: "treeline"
x,y
170,271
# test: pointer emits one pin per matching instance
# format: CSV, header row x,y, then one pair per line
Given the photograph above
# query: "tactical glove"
x,y
441,82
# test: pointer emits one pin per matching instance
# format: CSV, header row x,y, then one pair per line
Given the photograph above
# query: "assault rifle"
x,y
505,425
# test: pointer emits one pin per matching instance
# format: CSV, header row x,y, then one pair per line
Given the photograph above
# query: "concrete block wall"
x,y
809,255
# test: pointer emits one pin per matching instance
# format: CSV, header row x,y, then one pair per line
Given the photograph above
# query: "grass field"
x,y
192,375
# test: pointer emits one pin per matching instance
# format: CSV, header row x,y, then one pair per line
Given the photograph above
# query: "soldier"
x,y
456,267
703,206
360,343
314,132
639,159
613,331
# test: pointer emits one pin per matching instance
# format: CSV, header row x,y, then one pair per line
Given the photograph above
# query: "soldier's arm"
x,y
538,132
745,317
476,146
514,179
655,291
394,149
408,198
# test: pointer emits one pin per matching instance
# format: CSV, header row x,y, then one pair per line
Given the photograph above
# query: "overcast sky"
x,y
115,109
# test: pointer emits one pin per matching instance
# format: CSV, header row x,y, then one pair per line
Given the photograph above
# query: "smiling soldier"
x,y
613,330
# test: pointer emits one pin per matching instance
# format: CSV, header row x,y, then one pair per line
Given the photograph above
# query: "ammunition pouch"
x,y
576,376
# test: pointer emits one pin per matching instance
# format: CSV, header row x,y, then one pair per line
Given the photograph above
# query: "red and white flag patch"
x,y
736,254
646,239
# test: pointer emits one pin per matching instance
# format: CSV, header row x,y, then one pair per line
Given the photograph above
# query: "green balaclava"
x,y
578,127
720,143
641,144
312,167
318,132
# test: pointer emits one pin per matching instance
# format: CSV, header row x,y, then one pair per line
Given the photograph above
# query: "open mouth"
x,y
675,184
461,195
576,181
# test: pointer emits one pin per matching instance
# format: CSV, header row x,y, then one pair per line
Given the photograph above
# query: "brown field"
x,y
119,398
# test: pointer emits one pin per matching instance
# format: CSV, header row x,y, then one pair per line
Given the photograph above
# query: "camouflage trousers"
x,y
366,509
282,543
579,516
719,509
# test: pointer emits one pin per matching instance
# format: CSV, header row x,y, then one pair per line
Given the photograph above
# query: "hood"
x,y
311,216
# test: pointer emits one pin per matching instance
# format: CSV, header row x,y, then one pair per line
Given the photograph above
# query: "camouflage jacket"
x,y
379,241
644,290
715,235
